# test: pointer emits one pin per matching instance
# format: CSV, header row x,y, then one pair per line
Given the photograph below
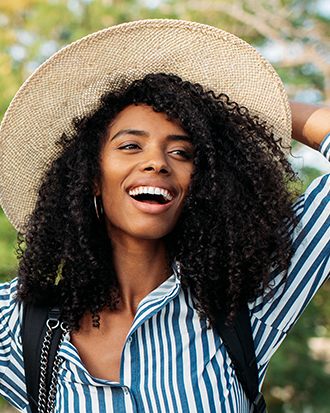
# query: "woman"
x,y
163,204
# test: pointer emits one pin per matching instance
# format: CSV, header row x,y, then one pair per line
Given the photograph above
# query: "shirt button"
x,y
129,340
125,390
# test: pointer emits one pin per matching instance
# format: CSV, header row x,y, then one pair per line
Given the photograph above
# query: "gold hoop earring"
x,y
98,209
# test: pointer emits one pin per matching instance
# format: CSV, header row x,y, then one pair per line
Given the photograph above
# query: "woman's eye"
x,y
129,146
183,153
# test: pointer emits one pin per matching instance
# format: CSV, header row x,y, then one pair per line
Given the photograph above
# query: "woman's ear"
x,y
96,189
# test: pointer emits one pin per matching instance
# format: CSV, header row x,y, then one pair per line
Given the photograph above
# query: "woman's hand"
x,y
310,123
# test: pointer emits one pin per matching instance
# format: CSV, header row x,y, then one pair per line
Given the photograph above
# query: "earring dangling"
x,y
98,209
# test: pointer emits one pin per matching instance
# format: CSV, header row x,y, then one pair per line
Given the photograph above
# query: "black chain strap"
x,y
42,396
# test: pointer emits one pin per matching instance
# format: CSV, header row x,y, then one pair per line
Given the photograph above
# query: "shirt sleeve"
x,y
12,380
275,312
325,147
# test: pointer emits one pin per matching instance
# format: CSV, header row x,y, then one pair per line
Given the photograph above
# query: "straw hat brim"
x,y
70,83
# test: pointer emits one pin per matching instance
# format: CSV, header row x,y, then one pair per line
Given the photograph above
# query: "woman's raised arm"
x,y
310,123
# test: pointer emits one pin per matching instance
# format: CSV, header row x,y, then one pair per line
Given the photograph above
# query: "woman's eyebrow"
x,y
135,132
178,138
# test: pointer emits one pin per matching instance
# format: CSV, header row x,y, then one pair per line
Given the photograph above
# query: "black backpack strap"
x,y
238,341
33,332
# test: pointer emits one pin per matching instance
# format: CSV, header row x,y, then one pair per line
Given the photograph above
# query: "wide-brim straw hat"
x,y
70,83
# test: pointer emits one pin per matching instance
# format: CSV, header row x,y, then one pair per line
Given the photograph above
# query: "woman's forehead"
x,y
142,120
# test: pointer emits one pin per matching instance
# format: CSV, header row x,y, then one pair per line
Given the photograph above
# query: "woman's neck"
x,y
141,266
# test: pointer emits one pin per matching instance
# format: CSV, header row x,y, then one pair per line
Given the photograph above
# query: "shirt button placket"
x,y
125,390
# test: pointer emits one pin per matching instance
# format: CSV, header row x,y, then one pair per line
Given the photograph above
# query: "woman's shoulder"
x,y
10,308
12,376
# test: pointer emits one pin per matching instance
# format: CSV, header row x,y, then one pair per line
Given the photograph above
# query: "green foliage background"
x,y
32,30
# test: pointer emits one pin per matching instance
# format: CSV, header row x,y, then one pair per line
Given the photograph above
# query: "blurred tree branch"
x,y
297,31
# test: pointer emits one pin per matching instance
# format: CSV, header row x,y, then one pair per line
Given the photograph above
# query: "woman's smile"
x,y
146,166
152,198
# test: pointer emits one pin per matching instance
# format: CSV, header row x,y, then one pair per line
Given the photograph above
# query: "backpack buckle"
x,y
259,404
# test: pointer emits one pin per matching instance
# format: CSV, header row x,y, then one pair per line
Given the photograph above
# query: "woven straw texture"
x,y
70,84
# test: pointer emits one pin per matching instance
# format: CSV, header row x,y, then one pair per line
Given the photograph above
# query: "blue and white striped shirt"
x,y
171,361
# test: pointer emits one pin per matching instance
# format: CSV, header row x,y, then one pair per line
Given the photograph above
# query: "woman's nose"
x,y
156,161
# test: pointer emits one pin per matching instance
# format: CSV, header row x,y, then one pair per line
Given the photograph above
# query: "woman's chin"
x,y
146,233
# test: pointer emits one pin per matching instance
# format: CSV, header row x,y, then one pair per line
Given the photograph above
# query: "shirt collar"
x,y
158,298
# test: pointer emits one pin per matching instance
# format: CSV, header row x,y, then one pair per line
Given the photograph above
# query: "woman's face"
x,y
146,166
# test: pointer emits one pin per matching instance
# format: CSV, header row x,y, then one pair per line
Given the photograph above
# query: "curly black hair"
x,y
235,227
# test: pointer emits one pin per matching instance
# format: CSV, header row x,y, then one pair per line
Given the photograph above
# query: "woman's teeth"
x,y
150,190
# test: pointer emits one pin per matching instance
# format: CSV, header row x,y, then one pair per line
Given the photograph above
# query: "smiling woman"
x,y
154,201
158,133
161,112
